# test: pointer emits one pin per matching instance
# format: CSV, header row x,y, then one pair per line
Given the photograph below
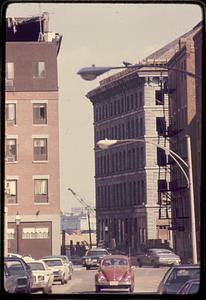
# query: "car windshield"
x,y
62,257
184,274
96,253
115,262
194,288
53,262
14,266
36,266
165,252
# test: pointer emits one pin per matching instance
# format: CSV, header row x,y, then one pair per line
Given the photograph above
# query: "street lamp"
x,y
91,73
105,144
17,221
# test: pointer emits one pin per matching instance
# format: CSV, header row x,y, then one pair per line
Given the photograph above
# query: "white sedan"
x,y
59,269
42,276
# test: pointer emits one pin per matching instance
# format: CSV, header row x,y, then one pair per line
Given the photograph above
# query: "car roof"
x,y
186,266
159,249
14,255
195,280
13,258
52,258
97,249
119,256
37,261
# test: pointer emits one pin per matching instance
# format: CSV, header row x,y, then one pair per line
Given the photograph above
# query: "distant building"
x,y
32,136
77,223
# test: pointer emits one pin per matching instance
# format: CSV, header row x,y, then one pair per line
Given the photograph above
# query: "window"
x,y
159,96
142,162
40,149
40,113
35,233
41,190
38,69
161,126
10,233
11,191
9,70
141,127
136,100
162,185
132,101
161,157
11,150
10,114
140,99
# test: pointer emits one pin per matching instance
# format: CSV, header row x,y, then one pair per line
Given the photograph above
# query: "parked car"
x,y
67,262
156,257
59,269
9,281
176,276
191,286
93,257
42,276
115,272
22,273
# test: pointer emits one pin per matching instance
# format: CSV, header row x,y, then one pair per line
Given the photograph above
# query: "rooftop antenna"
x,y
40,24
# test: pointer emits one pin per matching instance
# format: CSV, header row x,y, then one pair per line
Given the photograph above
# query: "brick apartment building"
x,y
185,118
32,134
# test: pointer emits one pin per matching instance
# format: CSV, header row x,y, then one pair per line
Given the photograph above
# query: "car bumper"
x,y
21,289
112,285
92,264
39,285
168,263
58,277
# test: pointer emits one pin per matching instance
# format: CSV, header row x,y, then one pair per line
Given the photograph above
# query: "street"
x,y
146,281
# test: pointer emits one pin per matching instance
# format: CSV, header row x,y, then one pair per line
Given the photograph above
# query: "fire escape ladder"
x,y
164,195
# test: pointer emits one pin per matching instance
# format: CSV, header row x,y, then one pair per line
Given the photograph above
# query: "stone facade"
x,y
127,198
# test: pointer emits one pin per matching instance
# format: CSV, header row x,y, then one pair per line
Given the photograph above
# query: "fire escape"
x,y
167,191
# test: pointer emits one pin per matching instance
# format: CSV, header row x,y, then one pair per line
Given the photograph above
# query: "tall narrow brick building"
x,y
32,137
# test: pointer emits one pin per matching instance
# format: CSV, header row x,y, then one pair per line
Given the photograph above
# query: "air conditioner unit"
x,y
10,158
10,122
9,82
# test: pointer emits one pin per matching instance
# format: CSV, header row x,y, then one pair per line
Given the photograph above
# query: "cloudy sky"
x,y
100,34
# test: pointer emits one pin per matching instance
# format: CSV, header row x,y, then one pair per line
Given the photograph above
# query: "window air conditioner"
x,y
9,82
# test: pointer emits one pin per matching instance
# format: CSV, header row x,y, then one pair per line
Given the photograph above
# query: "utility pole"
x,y
88,209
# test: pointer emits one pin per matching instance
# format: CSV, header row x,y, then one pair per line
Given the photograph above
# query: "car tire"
x,y
65,281
87,267
139,263
28,291
62,281
45,290
154,264
97,288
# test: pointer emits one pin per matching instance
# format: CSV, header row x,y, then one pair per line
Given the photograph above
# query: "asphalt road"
x,y
82,282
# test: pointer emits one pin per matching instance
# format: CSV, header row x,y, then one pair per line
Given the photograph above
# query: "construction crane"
x,y
88,209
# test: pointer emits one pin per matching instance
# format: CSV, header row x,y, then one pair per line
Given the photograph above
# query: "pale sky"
x,y
100,34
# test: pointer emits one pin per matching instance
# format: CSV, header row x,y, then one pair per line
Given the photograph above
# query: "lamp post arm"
x,y
183,171
104,144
